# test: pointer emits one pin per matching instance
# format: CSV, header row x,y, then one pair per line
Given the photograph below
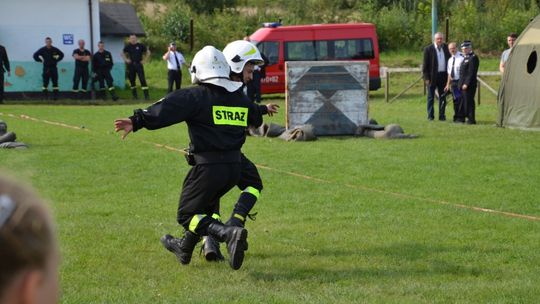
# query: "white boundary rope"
x,y
307,177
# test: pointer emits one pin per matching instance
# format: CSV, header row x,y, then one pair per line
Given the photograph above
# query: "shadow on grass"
x,y
397,261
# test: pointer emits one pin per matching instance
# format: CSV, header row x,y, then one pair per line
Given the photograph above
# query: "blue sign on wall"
x,y
68,38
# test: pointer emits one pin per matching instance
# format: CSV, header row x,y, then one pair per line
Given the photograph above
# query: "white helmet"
x,y
210,66
239,52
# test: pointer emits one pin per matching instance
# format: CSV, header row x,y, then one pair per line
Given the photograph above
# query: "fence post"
x,y
191,34
479,94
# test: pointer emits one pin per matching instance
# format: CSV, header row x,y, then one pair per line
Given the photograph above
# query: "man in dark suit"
x,y
436,57
4,67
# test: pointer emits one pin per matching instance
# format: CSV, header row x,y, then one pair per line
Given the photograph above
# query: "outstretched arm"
x,y
123,124
271,109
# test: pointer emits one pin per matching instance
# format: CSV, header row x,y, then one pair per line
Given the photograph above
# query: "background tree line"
x,y
401,25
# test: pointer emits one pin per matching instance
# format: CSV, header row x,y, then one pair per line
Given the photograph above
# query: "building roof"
x,y
119,19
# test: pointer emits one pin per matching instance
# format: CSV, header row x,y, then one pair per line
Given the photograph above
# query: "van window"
x,y
270,49
300,51
320,50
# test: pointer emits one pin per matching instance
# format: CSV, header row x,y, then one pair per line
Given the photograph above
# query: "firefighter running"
x,y
214,150
242,57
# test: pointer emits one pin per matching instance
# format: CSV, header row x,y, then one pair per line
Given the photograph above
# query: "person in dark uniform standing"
x,y
134,54
435,76
50,56
217,114
4,67
242,57
175,60
82,57
102,63
467,80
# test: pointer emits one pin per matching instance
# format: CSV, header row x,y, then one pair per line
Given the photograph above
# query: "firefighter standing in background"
x,y
134,54
102,63
82,57
217,114
50,56
4,67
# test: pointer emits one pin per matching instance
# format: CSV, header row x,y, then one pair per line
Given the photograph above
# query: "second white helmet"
x,y
240,52
210,66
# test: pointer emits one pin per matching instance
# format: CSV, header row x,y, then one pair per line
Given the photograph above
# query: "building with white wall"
x,y
24,24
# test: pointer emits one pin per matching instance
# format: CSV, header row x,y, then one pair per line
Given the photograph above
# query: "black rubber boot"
x,y
182,248
235,221
103,94
134,93
113,94
210,249
235,237
146,95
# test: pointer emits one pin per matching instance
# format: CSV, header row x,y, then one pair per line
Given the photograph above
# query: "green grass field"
x,y
380,221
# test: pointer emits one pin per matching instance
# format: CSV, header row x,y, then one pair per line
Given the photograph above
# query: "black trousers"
x,y
468,101
249,175
439,86
203,187
174,76
50,74
1,85
136,69
459,107
80,74
102,76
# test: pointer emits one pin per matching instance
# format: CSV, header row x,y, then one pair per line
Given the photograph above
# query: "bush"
x,y
401,25
166,24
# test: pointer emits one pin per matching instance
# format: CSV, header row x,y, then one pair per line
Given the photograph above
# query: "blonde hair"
x,y
26,231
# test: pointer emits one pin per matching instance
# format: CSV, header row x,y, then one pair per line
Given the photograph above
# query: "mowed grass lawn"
x,y
385,221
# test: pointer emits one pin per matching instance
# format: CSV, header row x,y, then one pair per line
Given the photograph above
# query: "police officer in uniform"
x,y
134,54
217,114
102,63
467,80
82,57
4,67
242,56
50,56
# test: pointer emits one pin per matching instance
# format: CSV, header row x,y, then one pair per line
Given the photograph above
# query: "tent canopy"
x,y
519,94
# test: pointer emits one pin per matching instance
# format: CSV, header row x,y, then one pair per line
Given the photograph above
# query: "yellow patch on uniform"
x,y
232,116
